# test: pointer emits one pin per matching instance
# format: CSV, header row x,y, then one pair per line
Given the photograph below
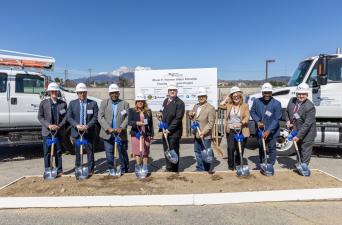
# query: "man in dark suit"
x,y
172,115
82,116
52,116
301,117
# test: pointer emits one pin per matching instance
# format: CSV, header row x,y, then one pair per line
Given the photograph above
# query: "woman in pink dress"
x,y
140,119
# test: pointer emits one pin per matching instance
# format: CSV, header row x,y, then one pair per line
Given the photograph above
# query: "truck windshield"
x,y
299,73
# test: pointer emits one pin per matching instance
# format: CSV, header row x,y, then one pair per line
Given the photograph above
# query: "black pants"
x,y
305,150
233,150
174,144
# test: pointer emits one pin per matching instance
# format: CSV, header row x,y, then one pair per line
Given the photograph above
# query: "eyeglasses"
x,y
141,101
202,96
82,92
173,90
114,93
302,94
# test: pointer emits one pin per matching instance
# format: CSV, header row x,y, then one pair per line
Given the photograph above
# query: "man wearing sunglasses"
x,y
266,112
301,117
113,120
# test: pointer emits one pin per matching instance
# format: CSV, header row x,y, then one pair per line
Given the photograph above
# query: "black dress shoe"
x,y
231,168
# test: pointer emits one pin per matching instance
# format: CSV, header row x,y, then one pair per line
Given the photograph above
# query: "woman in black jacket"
x,y
140,119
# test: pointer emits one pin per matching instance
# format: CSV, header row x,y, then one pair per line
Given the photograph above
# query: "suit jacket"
x,y
305,125
206,119
106,118
244,115
268,113
173,116
45,115
73,116
134,117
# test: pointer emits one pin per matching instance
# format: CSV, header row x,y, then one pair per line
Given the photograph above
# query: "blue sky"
x,y
234,36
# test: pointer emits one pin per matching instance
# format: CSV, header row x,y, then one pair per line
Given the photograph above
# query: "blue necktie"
x,y
82,113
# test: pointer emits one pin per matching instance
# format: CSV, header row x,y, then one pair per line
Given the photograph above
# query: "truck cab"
x,y
22,88
323,74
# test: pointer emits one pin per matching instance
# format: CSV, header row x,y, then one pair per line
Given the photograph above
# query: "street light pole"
x,y
267,62
89,82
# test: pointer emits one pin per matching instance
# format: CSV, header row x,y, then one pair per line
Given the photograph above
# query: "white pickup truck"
x,y
324,75
21,91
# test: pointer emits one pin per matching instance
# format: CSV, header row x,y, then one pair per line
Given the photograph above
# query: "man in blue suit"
x,y
266,112
82,116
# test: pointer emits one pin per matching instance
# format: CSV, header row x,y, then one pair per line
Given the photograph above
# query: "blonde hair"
x,y
145,108
230,99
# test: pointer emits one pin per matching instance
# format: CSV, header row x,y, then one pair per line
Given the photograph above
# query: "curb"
x,y
172,200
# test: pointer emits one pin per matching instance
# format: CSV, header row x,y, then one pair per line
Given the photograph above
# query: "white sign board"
x,y
153,84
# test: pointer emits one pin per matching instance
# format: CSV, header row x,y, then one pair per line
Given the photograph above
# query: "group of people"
x,y
115,115
266,113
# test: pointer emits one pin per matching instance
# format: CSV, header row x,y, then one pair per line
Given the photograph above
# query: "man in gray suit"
x,y
82,116
113,120
301,117
52,116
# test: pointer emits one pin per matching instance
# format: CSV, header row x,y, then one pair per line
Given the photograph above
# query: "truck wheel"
x,y
284,147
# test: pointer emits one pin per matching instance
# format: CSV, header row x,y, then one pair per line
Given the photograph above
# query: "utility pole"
x,y
267,62
65,75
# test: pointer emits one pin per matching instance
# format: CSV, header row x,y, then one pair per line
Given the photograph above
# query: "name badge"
x,y
296,115
268,113
145,121
90,111
123,112
62,111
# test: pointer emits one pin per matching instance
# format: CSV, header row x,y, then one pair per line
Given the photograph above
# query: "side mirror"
x,y
322,72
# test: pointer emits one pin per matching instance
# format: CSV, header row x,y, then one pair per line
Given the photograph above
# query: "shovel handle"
x,y
166,140
52,150
264,147
297,151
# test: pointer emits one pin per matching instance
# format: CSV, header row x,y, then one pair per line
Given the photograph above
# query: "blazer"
x,y
270,114
205,118
134,117
106,118
305,123
45,115
244,115
173,116
73,116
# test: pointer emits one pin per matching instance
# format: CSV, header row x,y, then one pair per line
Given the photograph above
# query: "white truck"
x,y
22,88
323,73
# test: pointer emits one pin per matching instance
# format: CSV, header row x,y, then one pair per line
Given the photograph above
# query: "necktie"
x,y
82,113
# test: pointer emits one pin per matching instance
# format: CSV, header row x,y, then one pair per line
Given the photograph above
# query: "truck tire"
x,y
284,147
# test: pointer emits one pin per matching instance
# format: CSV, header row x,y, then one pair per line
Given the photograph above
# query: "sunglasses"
x,y
82,92
114,93
139,101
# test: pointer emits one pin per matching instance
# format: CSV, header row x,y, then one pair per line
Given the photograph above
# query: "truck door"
x,y
328,98
4,100
25,100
